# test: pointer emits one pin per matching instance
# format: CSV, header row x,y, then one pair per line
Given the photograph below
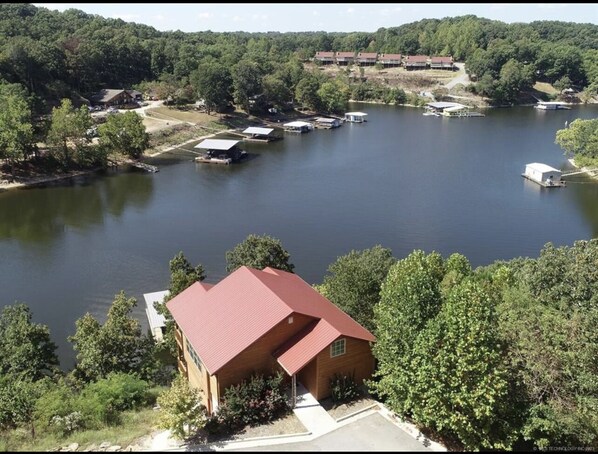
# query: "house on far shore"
x,y
390,60
345,58
367,58
264,322
326,58
441,63
157,322
112,97
136,95
416,62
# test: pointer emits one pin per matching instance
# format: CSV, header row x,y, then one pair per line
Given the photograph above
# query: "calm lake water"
x,y
402,180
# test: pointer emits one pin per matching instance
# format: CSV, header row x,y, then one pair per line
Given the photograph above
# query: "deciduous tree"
x,y
259,252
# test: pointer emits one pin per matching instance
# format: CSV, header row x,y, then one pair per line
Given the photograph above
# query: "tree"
x,y
259,252
306,92
16,132
354,282
125,134
409,298
247,82
276,91
459,380
18,395
115,346
580,139
25,347
214,84
334,95
68,128
180,408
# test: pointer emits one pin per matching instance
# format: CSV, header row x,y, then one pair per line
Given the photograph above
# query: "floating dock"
x,y
157,322
544,175
254,134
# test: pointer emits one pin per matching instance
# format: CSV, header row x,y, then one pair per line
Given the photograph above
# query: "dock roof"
x,y
296,124
444,105
217,144
326,120
254,130
542,167
155,320
356,114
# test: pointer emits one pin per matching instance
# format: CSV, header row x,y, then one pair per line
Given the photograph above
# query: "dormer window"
x,y
337,348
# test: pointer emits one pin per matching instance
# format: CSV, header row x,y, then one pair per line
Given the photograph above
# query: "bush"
x,y
344,388
259,400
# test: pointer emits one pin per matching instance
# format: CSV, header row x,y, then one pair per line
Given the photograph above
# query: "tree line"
x,y
70,54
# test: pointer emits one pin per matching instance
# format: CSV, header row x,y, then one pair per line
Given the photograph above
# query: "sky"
x,y
328,17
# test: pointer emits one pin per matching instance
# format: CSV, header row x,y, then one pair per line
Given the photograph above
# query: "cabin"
x,y
298,126
345,58
220,151
255,134
109,97
355,117
367,58
135,95
416,62
543,174
441,63
326,58
327,123
390,60
265,322
157,322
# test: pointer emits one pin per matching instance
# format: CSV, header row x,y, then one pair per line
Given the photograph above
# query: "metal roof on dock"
x,y
155,320
297,124
444,105
217,144
254,130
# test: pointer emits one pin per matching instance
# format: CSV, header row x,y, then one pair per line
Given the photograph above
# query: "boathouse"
x,y
221,149
327,123
298,126
355,117
543,174
157,322
255,134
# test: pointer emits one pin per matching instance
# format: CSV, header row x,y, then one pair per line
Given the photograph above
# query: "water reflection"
x,y
42,214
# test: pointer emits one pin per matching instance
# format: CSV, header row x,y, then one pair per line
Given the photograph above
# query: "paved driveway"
x,y
371,433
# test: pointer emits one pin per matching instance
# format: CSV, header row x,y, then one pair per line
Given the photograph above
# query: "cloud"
x,y
126,17
350,10
315,13
551,5
205,15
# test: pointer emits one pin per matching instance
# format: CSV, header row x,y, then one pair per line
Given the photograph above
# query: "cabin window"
x,y
290,319
194,356
337,348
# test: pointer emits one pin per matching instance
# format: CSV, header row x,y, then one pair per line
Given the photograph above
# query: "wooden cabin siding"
x,y
199,379
358,357
308,376
258,356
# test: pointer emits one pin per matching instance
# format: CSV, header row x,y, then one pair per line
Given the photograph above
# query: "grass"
x,y
134,426
185,114
545,88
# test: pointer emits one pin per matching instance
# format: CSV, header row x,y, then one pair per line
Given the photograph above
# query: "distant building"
x,y
416,62
441,63
136,95
367,58
112,97
390,60
345,58
326,58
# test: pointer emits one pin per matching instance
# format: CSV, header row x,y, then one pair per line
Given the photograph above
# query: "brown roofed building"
x,y
262,322
416,62
345,58
390,60
367,58
325,57
112,97
441,63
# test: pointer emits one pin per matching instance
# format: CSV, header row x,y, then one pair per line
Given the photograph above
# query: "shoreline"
x,y
586,170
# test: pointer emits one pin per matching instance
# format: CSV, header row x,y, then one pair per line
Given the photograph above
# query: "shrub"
x,y
344,388
261,399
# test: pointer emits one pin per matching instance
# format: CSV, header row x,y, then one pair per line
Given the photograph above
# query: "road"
x,y
461,78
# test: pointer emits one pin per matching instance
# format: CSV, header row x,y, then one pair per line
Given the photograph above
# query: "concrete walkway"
x,y
311,414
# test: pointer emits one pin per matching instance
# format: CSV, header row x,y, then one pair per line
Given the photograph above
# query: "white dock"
x,y
157,322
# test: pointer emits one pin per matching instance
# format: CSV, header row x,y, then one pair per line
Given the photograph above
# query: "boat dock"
x,y
260,135
157,322
544,175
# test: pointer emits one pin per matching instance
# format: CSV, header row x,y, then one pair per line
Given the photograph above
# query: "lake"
x,y
402,180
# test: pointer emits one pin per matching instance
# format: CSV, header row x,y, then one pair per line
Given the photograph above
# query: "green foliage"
x,y
181,411
17,401
68,130
16,132
580,138
343,388
25,347
259,400
214,84
102,402
334,96
259,252
56,410
124,134
306,92
354,282
115,346
247,82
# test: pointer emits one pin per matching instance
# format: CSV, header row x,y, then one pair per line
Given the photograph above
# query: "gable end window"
x,y
337,348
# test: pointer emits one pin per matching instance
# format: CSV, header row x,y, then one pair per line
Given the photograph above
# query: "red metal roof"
x,y
300,350
442,59
390,56
367,55
325,54
345,54
417,58
236,312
